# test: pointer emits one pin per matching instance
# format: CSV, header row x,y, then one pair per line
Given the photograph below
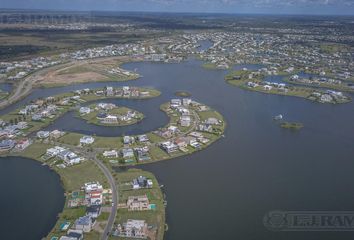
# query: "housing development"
x,y
242,107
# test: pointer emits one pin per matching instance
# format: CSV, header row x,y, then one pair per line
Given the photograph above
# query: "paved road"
x,y
112,182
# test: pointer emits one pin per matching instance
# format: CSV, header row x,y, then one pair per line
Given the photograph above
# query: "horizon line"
x,y
176,12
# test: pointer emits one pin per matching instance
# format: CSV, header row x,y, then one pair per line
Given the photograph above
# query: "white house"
x,y
87,140
185,121
43,134
85,110
110,154
92,186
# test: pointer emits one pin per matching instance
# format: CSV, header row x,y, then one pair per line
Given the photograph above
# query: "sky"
x,y
312,7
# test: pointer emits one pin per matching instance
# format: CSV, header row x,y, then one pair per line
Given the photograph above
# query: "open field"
x,y
97,70
20,41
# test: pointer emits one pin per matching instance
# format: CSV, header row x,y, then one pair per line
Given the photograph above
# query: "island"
x,y
109,114
254,81
183,94
291,125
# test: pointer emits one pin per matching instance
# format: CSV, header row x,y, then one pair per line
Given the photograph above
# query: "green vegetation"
x,y
292,125
209,66
183,94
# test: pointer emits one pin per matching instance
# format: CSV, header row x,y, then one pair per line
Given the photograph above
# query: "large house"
x,y
43,134
142,182
85,140
22,144
138,203
169,147
84,223
133,228
84,110
6,145
185,121
110,154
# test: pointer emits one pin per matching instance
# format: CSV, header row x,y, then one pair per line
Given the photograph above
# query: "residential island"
x,y
109,114
254,81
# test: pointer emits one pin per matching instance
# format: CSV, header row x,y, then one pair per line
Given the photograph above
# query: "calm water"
x,y
204,45
6,87
224,191
31,199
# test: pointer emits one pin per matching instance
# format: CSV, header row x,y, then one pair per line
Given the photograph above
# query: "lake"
x,y
224,191
31,198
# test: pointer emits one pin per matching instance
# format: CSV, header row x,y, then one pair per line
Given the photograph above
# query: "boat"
x,y
278,117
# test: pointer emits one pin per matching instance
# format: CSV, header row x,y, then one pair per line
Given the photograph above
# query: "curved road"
x,y
112,182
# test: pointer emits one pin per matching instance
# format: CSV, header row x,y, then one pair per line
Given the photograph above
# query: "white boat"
x,y
278,117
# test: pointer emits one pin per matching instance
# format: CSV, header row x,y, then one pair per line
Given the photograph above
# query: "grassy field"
x,y
291,125
25,42
211,66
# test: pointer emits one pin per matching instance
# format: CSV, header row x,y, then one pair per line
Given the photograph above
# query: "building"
x,y
84,110
143,153
94,211
109,91
143,138
127,153
185,121
142,182
133,228
43,134
110,119
212,121
95,197
92,186
23,144
51,152
73,235
138,203
128,139
186,101
110,154
6,145
84,223
174,103
55,134
22,125
169,147
87,140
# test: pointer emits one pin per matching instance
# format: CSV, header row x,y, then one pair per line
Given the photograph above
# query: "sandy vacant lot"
x,y
79,72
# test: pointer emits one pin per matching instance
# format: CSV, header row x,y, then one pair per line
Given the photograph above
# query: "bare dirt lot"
x,y
86,71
